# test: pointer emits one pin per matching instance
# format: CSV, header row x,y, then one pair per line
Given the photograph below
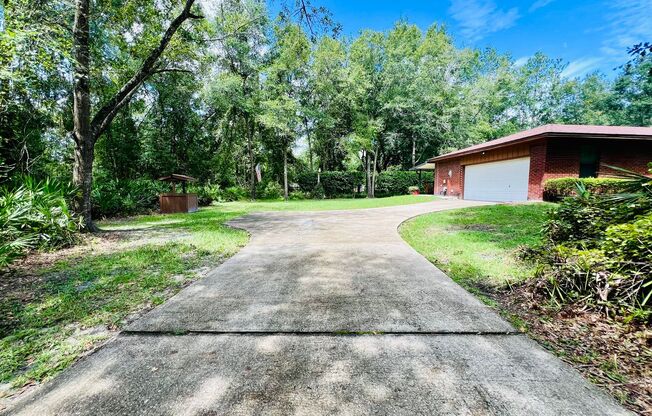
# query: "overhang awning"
x,y
428,166
175,177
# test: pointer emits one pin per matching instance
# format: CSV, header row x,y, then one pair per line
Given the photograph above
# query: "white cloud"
x,y
478,18
580,67
629,23
521,61
539,4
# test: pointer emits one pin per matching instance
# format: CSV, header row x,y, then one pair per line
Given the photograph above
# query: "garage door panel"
x,y
506,180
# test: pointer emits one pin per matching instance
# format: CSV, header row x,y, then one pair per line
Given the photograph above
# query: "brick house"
x,y
514,168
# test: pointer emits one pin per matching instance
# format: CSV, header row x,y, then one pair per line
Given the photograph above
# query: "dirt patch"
x,y
479,227
613,354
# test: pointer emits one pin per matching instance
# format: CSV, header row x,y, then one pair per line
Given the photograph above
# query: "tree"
x,y
631,102
367,60
280,109
87,128
326,103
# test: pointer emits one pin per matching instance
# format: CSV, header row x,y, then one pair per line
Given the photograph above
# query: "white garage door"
x,y
506,180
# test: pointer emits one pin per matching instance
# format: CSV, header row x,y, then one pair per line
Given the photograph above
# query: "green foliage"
x,y
580,221
235,193
592,277
630,242
34,215
123,197
393,182
207,194
318,192
272,190
298,196
556,189
335,184
598,246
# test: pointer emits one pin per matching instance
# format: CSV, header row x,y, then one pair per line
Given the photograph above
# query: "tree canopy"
x,y
235,87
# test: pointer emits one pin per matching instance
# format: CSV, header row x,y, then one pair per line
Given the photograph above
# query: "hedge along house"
x,y
515,167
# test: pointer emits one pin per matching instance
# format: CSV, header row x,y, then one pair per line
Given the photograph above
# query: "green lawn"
x,y
477,247
53,314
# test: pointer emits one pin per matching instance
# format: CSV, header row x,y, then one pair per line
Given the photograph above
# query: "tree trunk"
x,y
82,133
367,170
414,151
305,122
250,138
285,172
374,175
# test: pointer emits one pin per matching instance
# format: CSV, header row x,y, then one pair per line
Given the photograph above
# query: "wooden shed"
x,y
174,202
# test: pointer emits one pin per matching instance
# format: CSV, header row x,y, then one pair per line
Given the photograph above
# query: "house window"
x,y
589,161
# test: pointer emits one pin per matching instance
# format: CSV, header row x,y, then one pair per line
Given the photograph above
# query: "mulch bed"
x,y
614,354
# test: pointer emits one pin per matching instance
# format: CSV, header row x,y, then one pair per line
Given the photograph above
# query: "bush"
x,y
390,183
207,194
593,278
297,195
630,242
307,181
335,184
318,192
235,193
35,215
346,184
272,190
598,249
556,189
123,197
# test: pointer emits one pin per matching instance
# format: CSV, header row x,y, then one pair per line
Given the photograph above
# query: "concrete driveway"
x,y
322,313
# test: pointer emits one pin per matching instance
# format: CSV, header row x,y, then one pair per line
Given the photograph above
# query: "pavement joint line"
x,y
319,333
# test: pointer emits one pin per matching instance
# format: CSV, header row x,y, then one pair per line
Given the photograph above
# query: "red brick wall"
x,y
631,154
563,156
538,153
453,183
562,159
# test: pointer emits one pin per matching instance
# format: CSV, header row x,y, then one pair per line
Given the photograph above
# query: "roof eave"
x,y
454,155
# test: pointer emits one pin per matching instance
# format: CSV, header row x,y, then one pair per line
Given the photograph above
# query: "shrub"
x,y
207,194
35,215
272,190
598,249
398,182
557,189
307,181
297,195
345,184
235,193
584,218
341,184
318,192
334,183
630,242
593,278
122,197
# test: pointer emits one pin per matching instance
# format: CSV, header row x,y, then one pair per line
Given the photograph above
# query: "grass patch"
x,y
477,247
53,314
78,302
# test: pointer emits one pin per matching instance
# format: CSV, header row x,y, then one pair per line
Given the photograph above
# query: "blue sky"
x,y
588,35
